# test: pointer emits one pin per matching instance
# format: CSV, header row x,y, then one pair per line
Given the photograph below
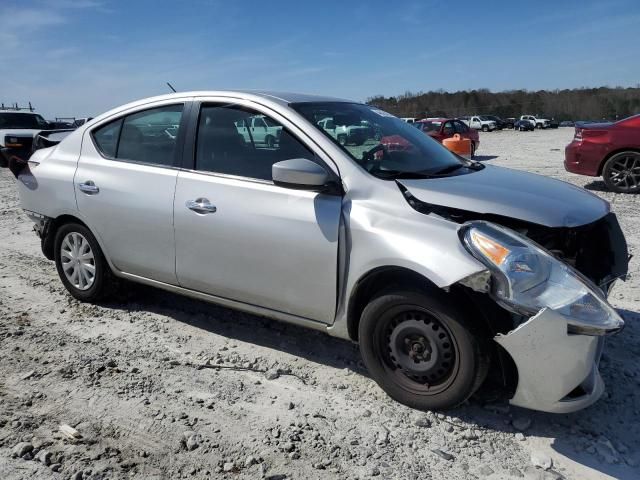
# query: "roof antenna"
x,y
171,87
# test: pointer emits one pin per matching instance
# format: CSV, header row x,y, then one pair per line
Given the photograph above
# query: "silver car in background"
x,y
441,268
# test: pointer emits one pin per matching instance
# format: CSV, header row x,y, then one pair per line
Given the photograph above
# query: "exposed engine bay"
x,y
598,250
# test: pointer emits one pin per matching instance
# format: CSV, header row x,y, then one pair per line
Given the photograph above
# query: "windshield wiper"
x,y
448,169
399,174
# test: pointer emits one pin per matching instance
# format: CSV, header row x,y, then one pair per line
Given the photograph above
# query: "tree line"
x,y
602,103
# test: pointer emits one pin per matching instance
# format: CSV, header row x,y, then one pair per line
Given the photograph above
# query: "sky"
x,y
83,57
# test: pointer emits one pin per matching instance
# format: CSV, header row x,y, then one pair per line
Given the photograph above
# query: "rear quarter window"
x,y
106,138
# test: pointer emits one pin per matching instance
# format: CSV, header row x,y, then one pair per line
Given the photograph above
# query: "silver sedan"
x,y
441,268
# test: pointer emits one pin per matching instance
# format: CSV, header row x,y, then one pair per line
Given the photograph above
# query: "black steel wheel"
x,y
421,350
621,173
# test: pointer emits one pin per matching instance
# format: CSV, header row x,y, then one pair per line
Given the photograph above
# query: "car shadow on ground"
x,y
600,186
484,158
597,186
312,345
487,411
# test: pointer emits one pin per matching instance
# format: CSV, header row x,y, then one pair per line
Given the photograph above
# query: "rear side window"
x,y
106,137
149,136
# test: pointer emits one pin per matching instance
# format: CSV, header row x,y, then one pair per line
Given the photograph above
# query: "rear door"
x,y
254,242
125,183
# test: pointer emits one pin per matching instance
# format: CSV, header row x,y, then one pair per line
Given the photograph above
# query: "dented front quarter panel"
x,y
551,363
381,231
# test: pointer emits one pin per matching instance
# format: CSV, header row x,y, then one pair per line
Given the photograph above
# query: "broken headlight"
x,y
527,278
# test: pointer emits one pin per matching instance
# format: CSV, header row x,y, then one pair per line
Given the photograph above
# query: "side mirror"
x,y
299,173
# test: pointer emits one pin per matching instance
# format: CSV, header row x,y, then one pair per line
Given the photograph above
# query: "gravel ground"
x,y
284,402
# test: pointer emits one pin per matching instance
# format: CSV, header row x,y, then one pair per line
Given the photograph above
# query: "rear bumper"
x,y
557,372
580,158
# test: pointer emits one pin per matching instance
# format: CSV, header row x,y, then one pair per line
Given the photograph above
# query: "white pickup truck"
x,y
479,122
537,121
259,129
19,129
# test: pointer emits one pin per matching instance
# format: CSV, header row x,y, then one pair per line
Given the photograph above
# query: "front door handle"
x,y
88,187
201,205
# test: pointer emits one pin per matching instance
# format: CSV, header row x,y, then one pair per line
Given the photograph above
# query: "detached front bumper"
x,y
557,371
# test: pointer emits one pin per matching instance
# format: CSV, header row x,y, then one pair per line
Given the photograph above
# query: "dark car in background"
x,y
567,123
500,123
442,128
553,123
610,150
524,125
510,122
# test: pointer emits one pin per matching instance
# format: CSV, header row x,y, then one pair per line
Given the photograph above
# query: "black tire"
x,y
485,128
621,173
449,355
342,139
539,126
103,281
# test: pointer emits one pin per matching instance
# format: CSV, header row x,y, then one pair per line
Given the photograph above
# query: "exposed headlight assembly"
x,y
526,278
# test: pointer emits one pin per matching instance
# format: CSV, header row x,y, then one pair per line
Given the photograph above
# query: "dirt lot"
x,y
285,402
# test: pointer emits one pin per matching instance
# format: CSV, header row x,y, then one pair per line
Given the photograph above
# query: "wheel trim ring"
x,y
403,381
77,261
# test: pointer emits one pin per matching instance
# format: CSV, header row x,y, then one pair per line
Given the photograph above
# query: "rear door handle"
x,y
88,187
201,206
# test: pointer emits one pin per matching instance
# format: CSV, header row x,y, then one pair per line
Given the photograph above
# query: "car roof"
x,y
280,97
8,110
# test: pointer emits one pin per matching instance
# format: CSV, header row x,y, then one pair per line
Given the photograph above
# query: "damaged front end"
x,y
560,317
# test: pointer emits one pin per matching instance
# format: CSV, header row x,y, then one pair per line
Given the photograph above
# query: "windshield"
x,y
22,120
382,144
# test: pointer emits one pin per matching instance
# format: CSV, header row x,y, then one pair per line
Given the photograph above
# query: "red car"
x,y
610,150
441,128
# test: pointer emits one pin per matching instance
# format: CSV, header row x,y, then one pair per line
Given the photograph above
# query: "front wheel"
x,y
485,128
80,263
621,173
421,349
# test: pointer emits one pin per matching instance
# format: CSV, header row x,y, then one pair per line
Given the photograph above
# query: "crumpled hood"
x,y
512,193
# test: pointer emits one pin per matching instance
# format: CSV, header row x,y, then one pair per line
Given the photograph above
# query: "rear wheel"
x,y
81,264
485,128
621,173
342,139
421,350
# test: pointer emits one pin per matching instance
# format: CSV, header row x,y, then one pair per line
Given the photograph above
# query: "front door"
x,y
124,184
241,237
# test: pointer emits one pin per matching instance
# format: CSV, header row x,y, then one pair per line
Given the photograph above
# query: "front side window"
x,y
380,143
460,127
149,136
448,128
224,147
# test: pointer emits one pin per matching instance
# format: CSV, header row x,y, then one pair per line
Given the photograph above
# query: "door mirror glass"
x,y
299,173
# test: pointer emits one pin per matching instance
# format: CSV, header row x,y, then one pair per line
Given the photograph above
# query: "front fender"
x,y
425,244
